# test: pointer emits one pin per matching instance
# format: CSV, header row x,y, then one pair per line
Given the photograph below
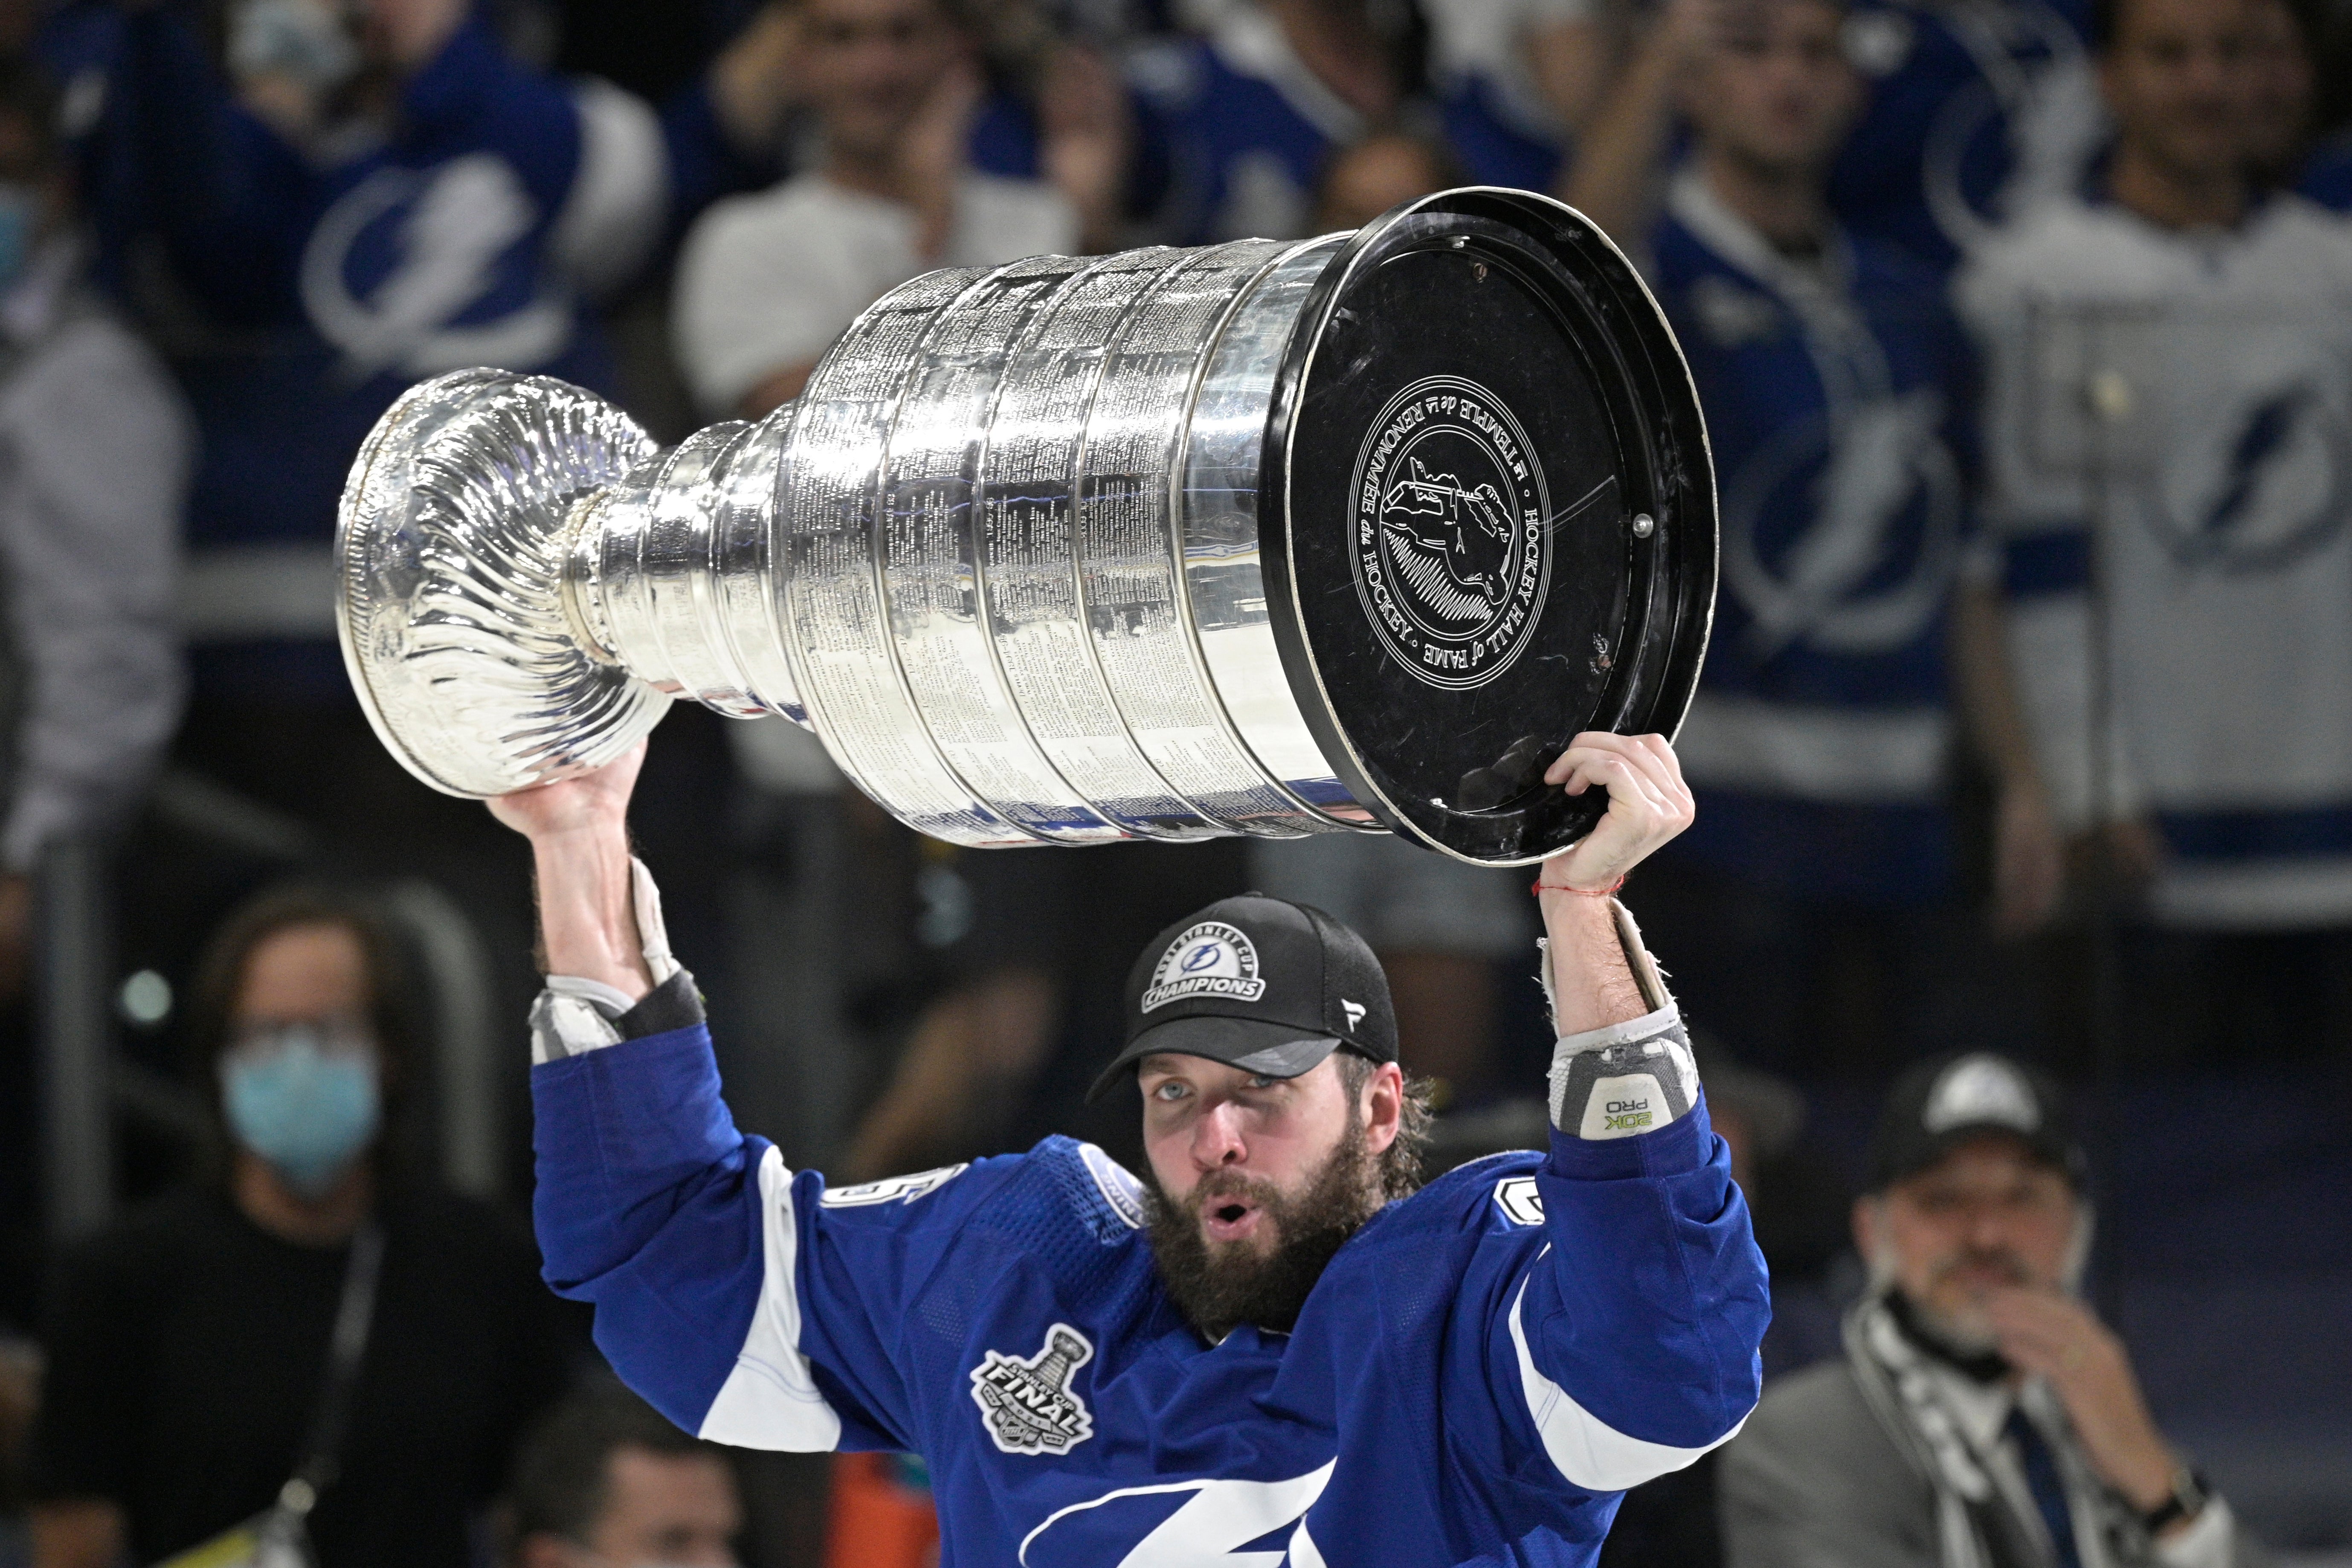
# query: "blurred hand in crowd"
x,y
1086,131
405,34
2057,1339
2115,862
1615,178
2029,861
759,78
933,151
1366,179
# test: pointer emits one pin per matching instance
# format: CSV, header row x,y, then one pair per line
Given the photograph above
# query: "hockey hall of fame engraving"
x,y
1449,550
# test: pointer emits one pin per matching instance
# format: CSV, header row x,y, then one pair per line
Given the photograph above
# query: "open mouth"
x,y
1230,1219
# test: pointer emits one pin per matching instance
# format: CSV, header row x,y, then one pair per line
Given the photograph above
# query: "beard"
x,y
1223,1285
1955,1329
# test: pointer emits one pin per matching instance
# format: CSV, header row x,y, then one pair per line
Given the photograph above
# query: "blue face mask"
x,y
20,215
303,1099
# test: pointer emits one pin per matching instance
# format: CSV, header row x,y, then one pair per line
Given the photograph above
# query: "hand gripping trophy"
x,y
1349,534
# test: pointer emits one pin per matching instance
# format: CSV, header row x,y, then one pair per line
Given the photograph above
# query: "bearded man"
x,y
1982,1416
1276,1349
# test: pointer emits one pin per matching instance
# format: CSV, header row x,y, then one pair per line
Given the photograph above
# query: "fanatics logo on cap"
x,y
1211,959
1980,1090
1026,1400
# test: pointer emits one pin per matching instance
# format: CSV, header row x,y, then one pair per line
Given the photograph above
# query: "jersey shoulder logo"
x,y
891,1189
1116,1185
1517,1198
1211,959
1027,1402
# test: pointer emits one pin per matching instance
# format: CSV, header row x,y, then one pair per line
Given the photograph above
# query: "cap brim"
x,y
2053,1149
1252,1045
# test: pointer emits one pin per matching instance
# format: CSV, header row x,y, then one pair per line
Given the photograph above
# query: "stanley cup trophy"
x,y
1265,538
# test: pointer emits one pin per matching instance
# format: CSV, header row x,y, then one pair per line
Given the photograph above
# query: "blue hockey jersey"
x,y
1480,1372
1838,399
1980,109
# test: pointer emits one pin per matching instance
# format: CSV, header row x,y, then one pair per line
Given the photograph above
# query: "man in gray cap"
x,y
1981,1416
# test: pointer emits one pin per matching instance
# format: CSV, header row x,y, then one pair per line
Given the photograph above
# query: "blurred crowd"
x,y
2023,332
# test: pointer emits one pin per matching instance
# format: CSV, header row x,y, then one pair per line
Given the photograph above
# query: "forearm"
x,y
1615,177
1571,62
1986,690
1589,978
587,911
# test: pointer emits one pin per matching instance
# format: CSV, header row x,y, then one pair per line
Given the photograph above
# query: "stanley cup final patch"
x,y
1211,959
1027,1401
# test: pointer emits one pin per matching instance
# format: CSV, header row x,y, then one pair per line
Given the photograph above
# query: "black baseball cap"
x,y
1942,1103
1258,983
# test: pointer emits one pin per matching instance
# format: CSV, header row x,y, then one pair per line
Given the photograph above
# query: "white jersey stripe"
x,y
771,1399
1587,1450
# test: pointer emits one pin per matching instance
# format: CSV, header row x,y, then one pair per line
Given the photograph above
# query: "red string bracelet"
x,y
1539,885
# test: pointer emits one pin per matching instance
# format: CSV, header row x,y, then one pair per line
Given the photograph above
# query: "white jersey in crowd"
x,y
769,281
95,450
2176,408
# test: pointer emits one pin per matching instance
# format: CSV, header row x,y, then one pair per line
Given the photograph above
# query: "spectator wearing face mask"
x,y
190,1347
606,1481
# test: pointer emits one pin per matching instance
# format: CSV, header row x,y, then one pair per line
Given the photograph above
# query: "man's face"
x,y
1989,1215
871,65
1258,1180
2182,79
1772,86
667,1509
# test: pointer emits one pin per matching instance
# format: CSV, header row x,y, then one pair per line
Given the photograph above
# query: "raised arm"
x,y
723,1286
1631,1335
